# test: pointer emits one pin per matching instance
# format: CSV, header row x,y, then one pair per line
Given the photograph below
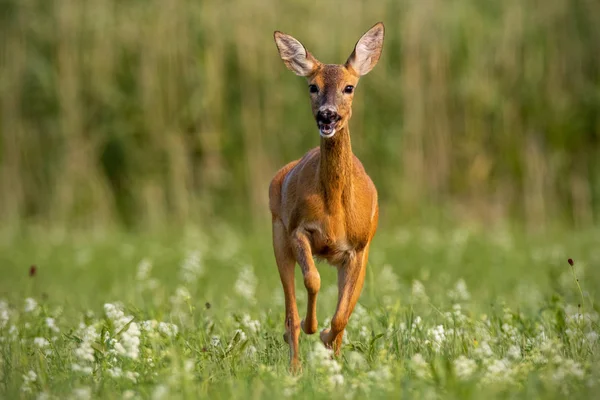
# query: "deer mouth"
x,y
327,130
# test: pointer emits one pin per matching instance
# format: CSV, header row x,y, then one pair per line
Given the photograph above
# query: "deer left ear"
x,y
367,50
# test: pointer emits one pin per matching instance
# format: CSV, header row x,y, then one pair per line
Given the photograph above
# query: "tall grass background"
x,y
150,112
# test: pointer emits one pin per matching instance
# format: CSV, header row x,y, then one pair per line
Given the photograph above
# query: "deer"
x,y
324,205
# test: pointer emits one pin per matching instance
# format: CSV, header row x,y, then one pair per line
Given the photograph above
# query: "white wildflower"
x,y
484,351
82,393
129,394
30,305
130,340
84,353
420,367
143,270
51,324
4,314
322,358
499,371
437,337
181,297
115,372
215,341
149,326
168,329
336,380
251,351
356,360
28,379
192,268
460,291
160,392
250,324
418,291
41,342
464,368
83,369
514,352
387,281
246,282
132,376
417,322
568,369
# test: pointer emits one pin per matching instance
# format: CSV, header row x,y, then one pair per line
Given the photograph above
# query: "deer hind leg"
x,y
312,279
351,277
286,264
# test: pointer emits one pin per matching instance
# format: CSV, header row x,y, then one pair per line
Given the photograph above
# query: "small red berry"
x,y
571,262
32,271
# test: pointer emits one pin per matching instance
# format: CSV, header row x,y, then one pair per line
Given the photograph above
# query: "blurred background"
x,y
140,113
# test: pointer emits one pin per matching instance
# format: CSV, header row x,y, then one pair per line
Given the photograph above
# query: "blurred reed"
x,y
146,112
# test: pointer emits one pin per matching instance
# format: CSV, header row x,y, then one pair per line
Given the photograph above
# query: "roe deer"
x,y
325,205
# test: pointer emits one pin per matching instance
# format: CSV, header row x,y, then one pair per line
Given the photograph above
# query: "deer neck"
x,y
335,169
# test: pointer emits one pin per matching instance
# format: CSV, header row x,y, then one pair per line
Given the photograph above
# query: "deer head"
x,y
331,86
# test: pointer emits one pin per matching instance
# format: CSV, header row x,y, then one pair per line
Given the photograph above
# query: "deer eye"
x,y
349,89
313,88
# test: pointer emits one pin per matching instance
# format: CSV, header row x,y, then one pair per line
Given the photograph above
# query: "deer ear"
x,y
294,55
367,50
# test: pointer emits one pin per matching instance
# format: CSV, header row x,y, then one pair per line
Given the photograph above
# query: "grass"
x,y
444,313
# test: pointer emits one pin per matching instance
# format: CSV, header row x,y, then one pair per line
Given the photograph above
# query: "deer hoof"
x,y
309,329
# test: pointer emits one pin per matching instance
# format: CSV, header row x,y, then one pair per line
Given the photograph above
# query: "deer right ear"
x,y
294,55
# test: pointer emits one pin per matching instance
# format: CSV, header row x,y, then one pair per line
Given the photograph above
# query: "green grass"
x,y
444,313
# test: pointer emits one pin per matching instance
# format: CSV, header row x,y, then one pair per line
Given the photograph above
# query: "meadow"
x,y
445,313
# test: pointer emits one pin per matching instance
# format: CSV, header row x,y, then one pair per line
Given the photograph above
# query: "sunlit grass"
x,y
449,313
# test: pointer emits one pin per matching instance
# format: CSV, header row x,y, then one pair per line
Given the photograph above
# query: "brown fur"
x,y
324,205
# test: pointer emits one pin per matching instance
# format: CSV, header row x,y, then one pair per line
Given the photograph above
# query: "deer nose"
x,y
327,115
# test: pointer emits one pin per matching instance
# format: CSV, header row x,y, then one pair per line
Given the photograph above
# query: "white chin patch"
x,y
327,133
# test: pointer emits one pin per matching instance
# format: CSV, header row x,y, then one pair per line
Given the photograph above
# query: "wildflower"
x,y
251,351
83,369
514,352
82,393
4,315
356,361
130,340
143,270
437,337
168,329
181,296
484,351
192,268
460,291
30,305
41,342
29,378
568,369
160,392
215,341
132,376
32,271
387,280
420,367
321,358
88,335
246,283
51,324
336,380
499,371
115,372
129,394
250,324
464,368
418,291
